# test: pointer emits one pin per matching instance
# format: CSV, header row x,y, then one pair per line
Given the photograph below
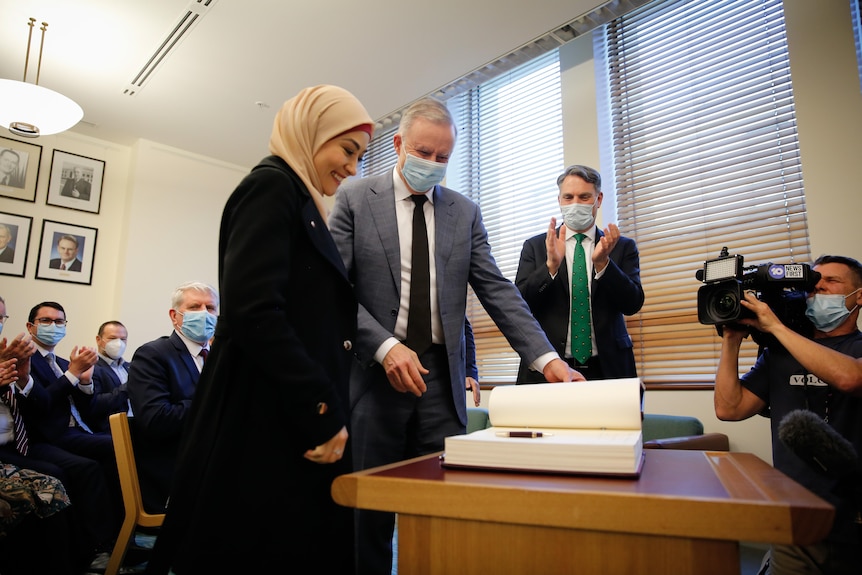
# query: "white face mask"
x,y
115,348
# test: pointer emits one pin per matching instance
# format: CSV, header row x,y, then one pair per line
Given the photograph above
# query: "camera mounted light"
x,y
723,268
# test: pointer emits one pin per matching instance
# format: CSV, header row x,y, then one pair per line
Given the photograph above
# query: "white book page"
x,y
607,403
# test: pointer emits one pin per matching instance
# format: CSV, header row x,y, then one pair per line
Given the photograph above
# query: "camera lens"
x,y
719,302
725,304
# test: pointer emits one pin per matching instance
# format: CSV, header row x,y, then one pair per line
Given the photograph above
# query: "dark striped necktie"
x,y
22,442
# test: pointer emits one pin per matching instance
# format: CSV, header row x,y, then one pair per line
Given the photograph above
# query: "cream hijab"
x,y
309,120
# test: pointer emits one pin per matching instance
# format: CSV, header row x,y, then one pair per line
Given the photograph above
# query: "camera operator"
x,y
822,374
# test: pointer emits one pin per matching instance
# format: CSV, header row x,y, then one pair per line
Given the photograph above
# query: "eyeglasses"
x,y
49,321
4,317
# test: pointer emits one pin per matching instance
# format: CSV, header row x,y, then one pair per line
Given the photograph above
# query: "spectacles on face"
x,y
49,321
4,317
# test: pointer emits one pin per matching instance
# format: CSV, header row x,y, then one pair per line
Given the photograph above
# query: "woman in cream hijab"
x,y
267,431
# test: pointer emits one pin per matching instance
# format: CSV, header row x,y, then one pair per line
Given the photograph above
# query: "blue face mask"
x,y
422,175
198,326
827,311
578,217
50,334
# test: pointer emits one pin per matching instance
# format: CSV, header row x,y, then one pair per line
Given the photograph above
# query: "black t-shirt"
x,y
779,380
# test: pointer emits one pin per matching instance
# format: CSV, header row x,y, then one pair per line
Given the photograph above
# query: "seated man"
x,y
162,381
29,407
110,376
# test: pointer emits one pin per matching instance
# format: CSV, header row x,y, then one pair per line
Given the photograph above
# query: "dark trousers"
x,y
389,426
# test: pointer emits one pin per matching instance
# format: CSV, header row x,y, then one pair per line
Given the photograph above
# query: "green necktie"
x,y
582,347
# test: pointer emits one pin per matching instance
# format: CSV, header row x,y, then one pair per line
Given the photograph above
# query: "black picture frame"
x,y
58,236
15,233
25,176
76,182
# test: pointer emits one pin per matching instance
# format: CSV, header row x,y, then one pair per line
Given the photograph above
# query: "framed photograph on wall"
x,y
19,169
66,253
76,182
14,243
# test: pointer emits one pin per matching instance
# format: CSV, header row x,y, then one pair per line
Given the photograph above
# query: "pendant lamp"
x,y
29,110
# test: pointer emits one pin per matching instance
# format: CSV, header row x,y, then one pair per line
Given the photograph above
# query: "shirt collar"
x,y
591,233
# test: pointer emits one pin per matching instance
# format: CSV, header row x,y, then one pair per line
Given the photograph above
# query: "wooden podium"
x,y
686,513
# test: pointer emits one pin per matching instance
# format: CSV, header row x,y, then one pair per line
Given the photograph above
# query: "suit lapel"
x,y
445,223
185,356
381,206
323,242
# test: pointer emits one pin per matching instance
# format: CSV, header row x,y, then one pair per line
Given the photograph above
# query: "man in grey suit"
x,y
407,391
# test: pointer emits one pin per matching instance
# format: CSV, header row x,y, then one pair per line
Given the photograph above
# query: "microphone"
x,y
819,445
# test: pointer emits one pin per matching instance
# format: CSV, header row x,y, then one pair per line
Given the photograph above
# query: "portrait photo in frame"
x,y
76,182
19,169
14,243
66,253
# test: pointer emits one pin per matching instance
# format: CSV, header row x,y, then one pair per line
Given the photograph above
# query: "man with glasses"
x,y
50,391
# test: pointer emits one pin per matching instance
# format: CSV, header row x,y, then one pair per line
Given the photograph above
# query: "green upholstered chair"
x,y
477,418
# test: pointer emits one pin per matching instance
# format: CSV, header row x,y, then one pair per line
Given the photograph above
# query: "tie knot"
x,y
49,356
204,353
580,237
418,199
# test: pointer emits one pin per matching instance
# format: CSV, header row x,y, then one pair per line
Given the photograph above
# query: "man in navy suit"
x,y
162,380
53,402
613,264
110,376
406,401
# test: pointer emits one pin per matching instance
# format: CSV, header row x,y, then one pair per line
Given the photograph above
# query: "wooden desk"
x,y
685,514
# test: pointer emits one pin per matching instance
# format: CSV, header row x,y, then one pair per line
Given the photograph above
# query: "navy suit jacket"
x,y
616,294
365,229
46,409
47,412
162,382
109,395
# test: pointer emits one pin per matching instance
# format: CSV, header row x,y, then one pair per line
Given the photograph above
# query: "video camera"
x,y
783,287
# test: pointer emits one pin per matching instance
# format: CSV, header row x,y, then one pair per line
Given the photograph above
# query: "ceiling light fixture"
x,y
29,110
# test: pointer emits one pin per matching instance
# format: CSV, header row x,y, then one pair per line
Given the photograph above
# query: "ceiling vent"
x,y
195,11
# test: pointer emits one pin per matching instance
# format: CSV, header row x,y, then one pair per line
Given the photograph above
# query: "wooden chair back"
x,y
135,516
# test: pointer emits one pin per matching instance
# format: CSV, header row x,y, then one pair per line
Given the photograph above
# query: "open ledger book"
x,y
586,427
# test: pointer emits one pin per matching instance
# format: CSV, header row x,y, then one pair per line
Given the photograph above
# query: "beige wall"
x,y
158,223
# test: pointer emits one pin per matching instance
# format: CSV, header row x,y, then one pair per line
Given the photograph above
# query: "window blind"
x,y
380,157
509,154
705,155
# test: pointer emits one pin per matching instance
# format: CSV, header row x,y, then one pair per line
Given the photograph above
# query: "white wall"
x,y
161,207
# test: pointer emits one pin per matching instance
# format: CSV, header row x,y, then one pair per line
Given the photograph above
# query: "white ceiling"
x,y
204,96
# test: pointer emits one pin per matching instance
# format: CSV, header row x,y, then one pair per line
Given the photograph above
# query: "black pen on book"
x,y
523,434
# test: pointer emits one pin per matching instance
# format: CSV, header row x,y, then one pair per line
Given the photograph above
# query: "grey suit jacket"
x,y
364,226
